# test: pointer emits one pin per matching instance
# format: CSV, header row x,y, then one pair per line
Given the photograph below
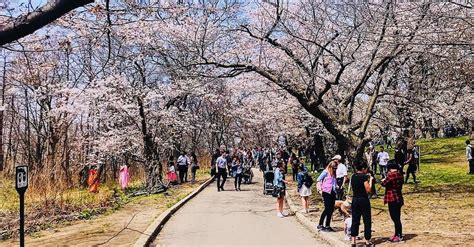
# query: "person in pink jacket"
x,y
124,177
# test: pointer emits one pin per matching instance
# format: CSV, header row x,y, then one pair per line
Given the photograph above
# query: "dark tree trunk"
x,y
319,149
1,112
29,23
153,167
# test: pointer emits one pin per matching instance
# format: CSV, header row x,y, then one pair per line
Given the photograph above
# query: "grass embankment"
x,y
49,207
439,209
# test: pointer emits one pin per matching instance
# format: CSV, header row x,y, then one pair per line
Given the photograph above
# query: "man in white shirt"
x,y
469,156
382,158
183,163
221,171
341,177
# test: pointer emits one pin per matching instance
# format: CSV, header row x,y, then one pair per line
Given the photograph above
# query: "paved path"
x,y
230,218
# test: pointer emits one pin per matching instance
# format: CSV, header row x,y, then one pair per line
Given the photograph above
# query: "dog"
x,y
344,206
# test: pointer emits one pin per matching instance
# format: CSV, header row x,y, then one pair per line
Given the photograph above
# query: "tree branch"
x,y
29,23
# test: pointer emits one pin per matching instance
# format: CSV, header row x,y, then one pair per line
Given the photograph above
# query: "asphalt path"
x,y
231,218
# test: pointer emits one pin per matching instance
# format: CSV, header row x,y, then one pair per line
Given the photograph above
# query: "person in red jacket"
x,y
394,198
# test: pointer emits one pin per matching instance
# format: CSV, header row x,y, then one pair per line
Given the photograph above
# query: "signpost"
x,y
21,184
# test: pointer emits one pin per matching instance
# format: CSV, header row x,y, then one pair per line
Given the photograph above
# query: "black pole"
x,y
22,219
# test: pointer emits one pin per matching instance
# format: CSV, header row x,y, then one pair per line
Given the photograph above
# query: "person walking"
x,y
194,167
341,179
214,158
382,158
183,162
470,156
304,187
327,188
279,183
393,184
412,162
361,184
221,171
237,170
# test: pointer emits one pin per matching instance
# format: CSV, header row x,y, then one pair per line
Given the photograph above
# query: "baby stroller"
x,y
268,182
247,174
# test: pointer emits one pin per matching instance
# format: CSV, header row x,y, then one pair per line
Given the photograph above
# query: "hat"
x,y
336,157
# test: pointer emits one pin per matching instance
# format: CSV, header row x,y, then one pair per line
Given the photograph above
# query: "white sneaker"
x,y
284,215
280,215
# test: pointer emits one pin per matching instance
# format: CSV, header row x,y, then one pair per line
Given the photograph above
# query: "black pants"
x,y
471,166
294,172
395,209
329,200
221,173
183,170
193,173
186,174
361,207
411,170
340,192
238,180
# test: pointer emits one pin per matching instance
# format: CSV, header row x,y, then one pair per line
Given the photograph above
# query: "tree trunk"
x,y
29,23
153,167
1,112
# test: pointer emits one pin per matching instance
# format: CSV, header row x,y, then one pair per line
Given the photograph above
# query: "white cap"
x,y
336,157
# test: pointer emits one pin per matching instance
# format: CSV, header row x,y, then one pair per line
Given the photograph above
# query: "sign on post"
x,y
21,178
21,184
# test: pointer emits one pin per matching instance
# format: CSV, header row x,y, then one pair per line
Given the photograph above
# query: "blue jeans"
x,y
383,171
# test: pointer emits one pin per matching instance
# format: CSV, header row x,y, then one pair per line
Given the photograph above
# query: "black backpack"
x,y
308,180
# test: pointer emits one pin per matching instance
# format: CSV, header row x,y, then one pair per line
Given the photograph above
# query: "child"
x,y
347,227
171,175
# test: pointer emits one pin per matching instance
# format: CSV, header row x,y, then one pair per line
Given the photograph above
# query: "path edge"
x,y
330,238
149,235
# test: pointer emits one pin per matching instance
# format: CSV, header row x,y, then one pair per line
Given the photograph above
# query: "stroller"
x,y
247,174
268,182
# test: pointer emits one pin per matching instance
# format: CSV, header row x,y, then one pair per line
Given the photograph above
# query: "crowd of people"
x,y
333,183
178,171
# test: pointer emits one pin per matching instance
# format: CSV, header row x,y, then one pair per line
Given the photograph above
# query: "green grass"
x,y
443,169
443,164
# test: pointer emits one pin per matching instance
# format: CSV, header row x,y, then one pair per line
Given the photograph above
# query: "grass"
x,y
443,163
49,206
436,207
443,169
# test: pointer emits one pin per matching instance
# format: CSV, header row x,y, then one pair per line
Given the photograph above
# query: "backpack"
x,y
308,180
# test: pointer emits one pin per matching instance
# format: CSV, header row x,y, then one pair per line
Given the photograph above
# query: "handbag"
x,y
276,191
